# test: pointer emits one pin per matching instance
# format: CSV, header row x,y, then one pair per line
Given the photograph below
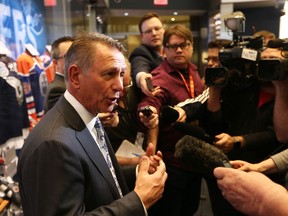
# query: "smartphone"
x,y
149,84
146,111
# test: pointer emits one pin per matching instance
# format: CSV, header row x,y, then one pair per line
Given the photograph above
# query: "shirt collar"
x,y
85,115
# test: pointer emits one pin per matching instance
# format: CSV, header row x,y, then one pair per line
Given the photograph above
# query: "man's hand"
x,y
109,119
224,142
182,114
150,187
150,121
252,193
154,158
144,87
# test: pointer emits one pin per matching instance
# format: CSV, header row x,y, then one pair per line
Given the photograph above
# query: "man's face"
x,y
152,32
271,53
178,51
59,62
100,89
213,57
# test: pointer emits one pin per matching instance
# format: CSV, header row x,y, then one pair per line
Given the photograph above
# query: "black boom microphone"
x,y
202,157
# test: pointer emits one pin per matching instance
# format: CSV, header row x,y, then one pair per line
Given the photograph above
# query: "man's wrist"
x,y
237,142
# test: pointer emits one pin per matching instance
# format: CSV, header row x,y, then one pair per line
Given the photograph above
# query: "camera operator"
x,y
253,187
241,118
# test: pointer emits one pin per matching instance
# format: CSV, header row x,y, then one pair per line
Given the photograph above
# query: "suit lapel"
x,y
89,145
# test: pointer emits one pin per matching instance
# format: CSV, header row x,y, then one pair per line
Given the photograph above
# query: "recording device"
x,y
240,58
146,111
275,69
200,156
168,115
149,83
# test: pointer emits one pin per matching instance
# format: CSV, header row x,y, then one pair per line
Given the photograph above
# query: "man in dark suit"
x,y
149,54
57,87
67,166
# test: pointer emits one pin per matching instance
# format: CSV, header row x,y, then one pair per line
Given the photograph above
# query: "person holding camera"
x,y
239,116
271,198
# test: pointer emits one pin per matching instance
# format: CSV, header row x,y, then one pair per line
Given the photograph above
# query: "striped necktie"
x,y
100,139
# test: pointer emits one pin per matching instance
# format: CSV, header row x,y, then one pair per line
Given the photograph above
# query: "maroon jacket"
x,y
173,91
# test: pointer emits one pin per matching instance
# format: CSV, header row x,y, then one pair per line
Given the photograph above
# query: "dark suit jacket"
x,y
62,172
143,58
55,90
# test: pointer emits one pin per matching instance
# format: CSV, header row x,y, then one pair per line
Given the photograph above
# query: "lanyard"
x,y
190,87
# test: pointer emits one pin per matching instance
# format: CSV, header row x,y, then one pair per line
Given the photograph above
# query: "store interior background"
x,y
40,22
120,18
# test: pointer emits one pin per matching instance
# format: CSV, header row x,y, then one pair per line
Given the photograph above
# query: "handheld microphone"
x,y
168,115
200,156
194,130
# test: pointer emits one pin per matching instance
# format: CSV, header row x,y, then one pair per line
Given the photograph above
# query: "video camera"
x,y
240,58
275,68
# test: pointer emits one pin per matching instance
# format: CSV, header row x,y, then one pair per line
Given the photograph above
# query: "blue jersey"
x,y
13,112
34,80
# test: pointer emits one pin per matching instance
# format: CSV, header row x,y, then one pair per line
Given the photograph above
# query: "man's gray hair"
x,y
83,50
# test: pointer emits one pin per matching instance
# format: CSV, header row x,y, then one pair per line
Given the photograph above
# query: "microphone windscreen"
x,y
168,115
275,43
202,157
193,130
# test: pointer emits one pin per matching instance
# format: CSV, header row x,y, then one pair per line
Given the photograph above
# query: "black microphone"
x,y
194,130
200,156
168,115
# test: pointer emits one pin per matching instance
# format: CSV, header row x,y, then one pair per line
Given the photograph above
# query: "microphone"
x,y
168,115
200,156
193,130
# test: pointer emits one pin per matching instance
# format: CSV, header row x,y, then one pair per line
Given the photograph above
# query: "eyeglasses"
x,y
174,47
212,58
150,31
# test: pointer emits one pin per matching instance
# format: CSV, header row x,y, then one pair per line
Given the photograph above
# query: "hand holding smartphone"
x,y
149,83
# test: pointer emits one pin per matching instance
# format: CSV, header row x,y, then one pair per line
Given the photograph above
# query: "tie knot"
x,y
98,123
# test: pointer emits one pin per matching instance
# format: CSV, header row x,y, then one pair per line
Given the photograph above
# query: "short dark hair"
x,y
147,17
55,45
179,30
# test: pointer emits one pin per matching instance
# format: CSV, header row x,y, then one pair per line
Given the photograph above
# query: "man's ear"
x,y
74,73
